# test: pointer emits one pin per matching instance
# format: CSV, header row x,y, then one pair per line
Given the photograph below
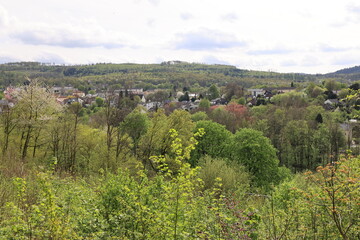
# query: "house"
x,y
256,91
79,94
218,101
188,106
331,104
269,92
131,92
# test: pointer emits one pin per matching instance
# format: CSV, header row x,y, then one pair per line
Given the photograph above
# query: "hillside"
x,y
147,76
351,70
346,74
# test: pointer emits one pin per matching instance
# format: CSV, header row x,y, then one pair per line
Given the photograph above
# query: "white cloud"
x,y
310,60
7,59
186,16
4,17
231,17
214,60
68,36
330,48
258,34
345,60
206,39
276,50
46,57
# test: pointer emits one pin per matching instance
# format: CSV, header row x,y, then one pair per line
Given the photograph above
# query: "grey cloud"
x,y
214,60
151,22
186,16
50,58
348,60
288,63
205,39
7,59
309,61
354,9
230,17
154,2
328,48
63,38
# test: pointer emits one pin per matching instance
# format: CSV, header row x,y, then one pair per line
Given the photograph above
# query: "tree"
x,y
233,90
158,96
336,190
184,97
233,176
135,125
157,140
213,92
290,99
36,107
332,85
204,104
9,121
240,113
198,116
212,143
296,145
99,101
220,115
251,149
75,109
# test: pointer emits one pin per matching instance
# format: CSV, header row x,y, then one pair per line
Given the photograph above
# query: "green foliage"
x,y
135,125
137,175
223,117
212,143
43,219
291,99
99,101
213,92
251,149
204,104
184,97
316,205
234,177
198,116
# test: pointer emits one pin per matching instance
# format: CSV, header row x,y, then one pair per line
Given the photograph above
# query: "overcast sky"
x,y
310,36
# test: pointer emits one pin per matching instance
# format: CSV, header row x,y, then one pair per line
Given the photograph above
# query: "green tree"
x,y
184,97
212,143
198,116
157,140
223,117
296,144
233,90
135,125
204,104
213,92
233,176
99,101
251,149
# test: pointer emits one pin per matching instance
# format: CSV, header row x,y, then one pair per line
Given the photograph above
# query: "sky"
x,y
307,36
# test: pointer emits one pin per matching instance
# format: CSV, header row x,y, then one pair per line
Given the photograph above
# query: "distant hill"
x,y
351,70
166,75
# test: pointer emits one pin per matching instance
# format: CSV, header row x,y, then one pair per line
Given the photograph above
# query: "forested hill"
x,y
145,76
351,70
352,73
